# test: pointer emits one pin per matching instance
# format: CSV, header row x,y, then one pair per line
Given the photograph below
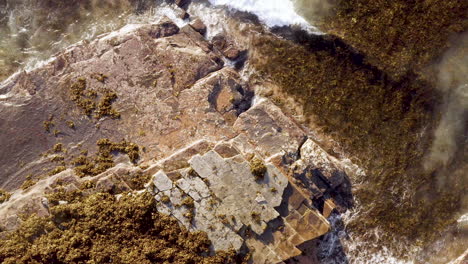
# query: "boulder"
x,y
231,52
182,3
199,26
219,41
226,46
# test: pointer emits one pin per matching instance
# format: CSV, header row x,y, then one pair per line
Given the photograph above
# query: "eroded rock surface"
x,y
198,133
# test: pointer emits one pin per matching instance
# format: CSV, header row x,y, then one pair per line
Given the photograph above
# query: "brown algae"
x,y
101,228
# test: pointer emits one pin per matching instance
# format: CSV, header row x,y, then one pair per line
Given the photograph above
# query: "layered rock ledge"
x,y
248,175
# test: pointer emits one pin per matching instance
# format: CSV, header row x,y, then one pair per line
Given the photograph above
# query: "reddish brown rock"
x,y
197,130
219,41
199,26
148,74
226,46
182,3
231,53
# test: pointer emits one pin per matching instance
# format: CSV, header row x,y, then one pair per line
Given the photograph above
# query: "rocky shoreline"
x,y
198,138
255,141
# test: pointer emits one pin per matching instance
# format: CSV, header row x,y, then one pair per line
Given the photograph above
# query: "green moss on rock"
x,y
28,183
58,147
56,170
257,168
82,97
4,196
105,106
103,159
70,124
398,36
102,229
48,124
378,121
188,202
137,180
87,99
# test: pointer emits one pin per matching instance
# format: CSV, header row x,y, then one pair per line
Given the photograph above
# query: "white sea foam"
x,y
270,12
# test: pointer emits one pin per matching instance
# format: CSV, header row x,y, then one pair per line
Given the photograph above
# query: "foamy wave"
x,y
271,12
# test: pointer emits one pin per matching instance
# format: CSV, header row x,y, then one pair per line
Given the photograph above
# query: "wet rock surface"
x,y
226,46
199,26
197,133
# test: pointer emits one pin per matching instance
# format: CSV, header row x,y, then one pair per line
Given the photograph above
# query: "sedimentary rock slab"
x,y
243,174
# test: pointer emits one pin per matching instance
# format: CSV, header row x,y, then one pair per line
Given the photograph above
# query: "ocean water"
x,y
271,12
31,31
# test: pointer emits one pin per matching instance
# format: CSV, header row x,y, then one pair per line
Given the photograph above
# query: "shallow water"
x,y
32,31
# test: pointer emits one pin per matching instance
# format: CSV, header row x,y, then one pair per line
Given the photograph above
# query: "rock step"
x,y
201,133
217,177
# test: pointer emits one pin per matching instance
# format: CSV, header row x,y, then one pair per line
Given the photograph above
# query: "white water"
x,y
95,22
356,249
271,12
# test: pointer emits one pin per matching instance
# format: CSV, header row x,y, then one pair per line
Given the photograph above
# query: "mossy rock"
x,y
101,228
103,159
258,168
4,196
383,124
398,36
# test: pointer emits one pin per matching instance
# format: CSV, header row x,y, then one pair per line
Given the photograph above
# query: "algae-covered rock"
x,y
101,228
4,196
368,89
398,36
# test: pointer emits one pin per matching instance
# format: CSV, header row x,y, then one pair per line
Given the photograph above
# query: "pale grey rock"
x,y
195,187
201,166
270,130
207,219
313,157
260,199
179,213
200,187
176,196
235,186
183,184
161,181
194,194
